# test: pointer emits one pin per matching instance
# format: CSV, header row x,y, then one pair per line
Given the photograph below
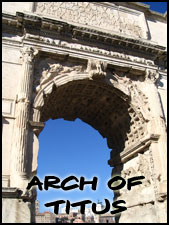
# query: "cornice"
x,y
8,192
22,23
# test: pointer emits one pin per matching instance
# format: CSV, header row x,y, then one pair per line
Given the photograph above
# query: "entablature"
x,y
39,29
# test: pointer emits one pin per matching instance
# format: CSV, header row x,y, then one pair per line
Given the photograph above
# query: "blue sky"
x,y
75,148
157,6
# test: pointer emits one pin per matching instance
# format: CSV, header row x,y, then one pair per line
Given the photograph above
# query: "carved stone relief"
x,y
93,14
96,67
140,101
141,168
152,75
139,109
48,69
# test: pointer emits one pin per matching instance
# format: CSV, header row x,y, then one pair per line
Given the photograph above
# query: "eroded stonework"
x,y
111,18
48,69
96,62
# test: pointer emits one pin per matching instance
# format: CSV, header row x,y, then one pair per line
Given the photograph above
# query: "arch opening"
x,y
95,103
104,105
73,148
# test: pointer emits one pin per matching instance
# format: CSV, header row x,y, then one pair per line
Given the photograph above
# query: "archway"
x,y
100,99
111,100
90,108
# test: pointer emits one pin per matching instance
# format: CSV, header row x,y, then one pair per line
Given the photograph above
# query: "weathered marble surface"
x,y
113,79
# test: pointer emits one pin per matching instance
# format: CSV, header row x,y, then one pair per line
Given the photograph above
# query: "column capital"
x,y
28,54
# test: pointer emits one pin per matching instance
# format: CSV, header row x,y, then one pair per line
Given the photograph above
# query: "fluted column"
x,y
20,157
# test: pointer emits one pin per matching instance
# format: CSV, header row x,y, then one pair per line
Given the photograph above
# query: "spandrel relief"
x,y
49,68
140,168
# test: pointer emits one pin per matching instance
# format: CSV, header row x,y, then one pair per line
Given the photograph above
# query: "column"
x,y
20,151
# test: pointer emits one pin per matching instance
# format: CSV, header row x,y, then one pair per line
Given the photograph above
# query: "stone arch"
x,y
106,98
110,102
103,97
81,98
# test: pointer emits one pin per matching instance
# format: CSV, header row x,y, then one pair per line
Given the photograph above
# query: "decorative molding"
x,y
37,126
49,28
131,151
10,192
8,117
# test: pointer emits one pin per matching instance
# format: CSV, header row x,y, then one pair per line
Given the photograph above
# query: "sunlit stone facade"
x,y
102,62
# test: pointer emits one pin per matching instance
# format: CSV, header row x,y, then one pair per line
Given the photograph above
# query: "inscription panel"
x,y
111,18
